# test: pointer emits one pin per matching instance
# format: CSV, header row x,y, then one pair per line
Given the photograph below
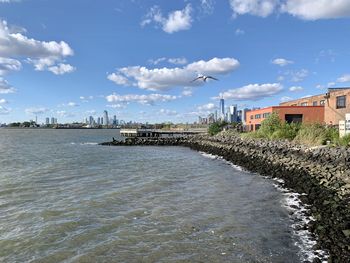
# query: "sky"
x,y
137,59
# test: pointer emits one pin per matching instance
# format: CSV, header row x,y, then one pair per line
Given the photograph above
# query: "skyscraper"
x,y
105,117
47,121
115,120
222,109
233,113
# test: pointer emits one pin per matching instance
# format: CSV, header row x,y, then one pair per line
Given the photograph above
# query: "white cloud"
x,y
8,64
282,62
178,61
298,75
303,9
187,92
261,8
118,79
317,9
252,92
5,87
36,111
149,99
117,106
286,98
166,78
42,54
207,107
61,69
176,21
332,84
86,98
168,112
175,61
214,66
344,78
207,6
239,32
4,110
3,101
296,88
9,1
72,104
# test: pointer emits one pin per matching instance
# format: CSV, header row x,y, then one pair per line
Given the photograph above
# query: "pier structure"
x,y
156,133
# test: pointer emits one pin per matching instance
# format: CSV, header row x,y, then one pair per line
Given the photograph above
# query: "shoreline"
x,y
320,176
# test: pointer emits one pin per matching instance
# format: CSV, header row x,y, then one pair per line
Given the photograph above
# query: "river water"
x,y
63,198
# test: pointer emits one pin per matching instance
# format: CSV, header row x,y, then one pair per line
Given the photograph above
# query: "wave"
x,y
299,214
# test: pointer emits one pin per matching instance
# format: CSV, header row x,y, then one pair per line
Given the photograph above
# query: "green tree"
x,y
270,125
216,127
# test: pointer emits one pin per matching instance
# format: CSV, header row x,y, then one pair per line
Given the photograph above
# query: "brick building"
x,y
336,104
304,114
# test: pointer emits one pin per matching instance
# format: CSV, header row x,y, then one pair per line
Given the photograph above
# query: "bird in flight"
x,y
204,78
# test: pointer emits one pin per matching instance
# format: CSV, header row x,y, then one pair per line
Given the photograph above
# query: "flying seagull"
x,y
204,78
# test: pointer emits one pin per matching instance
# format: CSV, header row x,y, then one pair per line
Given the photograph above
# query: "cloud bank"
x,y
160,79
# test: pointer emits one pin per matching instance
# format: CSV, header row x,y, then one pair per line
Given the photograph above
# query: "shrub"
x,y
270,125
344,141
216,127
287,131
313,134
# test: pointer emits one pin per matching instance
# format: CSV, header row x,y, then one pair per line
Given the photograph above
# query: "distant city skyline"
x,y
137,59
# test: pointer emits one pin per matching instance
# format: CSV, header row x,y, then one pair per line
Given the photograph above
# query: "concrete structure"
x,y
47,121
304,114
336,103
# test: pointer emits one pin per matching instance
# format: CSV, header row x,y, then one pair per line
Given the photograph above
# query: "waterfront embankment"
x,y
321,174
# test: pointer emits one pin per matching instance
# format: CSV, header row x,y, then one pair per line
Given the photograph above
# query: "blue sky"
x,y
71,59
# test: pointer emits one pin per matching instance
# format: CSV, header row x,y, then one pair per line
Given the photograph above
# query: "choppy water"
x,y
65,199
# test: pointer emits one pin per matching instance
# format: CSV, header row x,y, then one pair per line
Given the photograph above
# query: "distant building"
x,y
233,113
302,114
105,117
239,115
115,120
47,121
91,121
99,121
52,120
222,109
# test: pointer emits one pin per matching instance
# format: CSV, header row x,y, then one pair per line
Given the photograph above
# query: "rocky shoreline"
x,y
323,174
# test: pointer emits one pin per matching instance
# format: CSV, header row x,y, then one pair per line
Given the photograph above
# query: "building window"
x,y
304,104
251,117
314,103
341,102
267,114
257,126
294,105
322,102
257,116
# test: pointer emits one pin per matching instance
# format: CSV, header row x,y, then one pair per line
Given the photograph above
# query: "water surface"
x,y
65,199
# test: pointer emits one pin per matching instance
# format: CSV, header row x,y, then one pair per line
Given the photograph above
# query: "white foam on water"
x,y
299,213
88,143
212,156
